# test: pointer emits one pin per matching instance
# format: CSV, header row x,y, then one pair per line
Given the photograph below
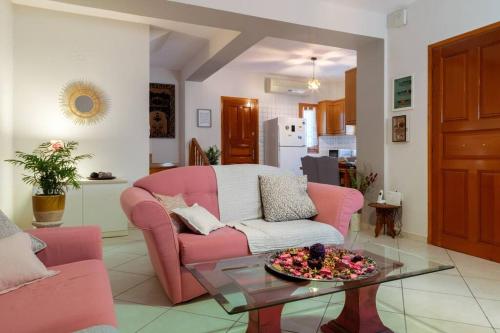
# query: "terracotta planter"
x,y
48,208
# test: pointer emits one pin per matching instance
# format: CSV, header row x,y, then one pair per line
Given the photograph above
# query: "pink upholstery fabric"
x,y
69,244
335,204
220,244
169,251
77,298
197,184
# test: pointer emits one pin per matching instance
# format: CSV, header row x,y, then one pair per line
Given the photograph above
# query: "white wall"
x,y
6,68
226,82
53,48
429,21
166,149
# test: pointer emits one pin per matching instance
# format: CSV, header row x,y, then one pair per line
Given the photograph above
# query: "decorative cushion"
x,y
170,203
285,198
20,266
7,228
198,219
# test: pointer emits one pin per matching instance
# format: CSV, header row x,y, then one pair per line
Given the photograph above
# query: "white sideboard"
x,y
97,202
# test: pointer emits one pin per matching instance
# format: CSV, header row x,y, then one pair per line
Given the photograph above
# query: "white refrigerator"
x,y
285,143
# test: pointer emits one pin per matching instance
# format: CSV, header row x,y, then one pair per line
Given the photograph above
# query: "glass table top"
x,y
243,284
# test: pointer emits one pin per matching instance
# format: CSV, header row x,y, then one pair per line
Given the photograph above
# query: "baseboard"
x,y
403,234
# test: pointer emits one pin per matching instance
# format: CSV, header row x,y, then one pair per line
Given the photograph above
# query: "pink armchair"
x,y
77,298
170,251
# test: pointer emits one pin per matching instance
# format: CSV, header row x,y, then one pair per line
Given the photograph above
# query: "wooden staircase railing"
x,y
197,155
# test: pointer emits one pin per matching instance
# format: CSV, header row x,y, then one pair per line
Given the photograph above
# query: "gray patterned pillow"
x,y
285,198
7,228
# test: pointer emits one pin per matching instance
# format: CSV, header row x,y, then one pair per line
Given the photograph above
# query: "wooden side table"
x,y
385,218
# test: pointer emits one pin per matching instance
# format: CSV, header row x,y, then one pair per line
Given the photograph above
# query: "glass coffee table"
x,y
245,285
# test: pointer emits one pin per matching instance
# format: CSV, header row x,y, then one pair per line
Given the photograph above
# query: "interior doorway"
x,y
240,130
464,145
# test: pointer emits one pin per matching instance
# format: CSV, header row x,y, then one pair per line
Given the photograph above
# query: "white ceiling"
x,y
380,6
292,58
172,49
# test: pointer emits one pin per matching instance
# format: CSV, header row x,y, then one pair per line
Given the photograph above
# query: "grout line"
x,y
402,289
154,319
138,284
126,262
473,296
445,320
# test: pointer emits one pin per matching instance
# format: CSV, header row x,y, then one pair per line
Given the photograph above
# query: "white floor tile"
x,y
426,325
444,307
492,310
148,293
484,288
140,265
208,307
470,266
132,317
121,282
134,247
438,283
112,259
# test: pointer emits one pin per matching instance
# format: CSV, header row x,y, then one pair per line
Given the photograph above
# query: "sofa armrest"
x,y
335,204
69,244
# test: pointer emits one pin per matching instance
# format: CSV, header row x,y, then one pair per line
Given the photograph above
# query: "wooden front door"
x,y
240,130
464,164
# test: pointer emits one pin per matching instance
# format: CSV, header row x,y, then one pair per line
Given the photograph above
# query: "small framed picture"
x,y
204,118
402,93
399,129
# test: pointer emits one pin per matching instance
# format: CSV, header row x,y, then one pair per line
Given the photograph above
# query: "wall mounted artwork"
x,y
161,110
83,102
403,92
399,129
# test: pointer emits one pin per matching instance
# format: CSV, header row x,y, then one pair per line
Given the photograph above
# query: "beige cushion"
x,y
19,265
198,219
170,203
285,198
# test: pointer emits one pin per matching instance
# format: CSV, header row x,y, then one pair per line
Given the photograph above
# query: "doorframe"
x,y
431,235
242,100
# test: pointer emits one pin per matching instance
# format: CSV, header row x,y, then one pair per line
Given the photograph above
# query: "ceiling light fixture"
x,y
313,83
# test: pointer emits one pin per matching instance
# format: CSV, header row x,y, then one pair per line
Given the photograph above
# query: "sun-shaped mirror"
x,y
83,102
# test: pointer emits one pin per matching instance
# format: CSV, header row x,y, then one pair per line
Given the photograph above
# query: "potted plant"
x,y
52,170
362,183
213,154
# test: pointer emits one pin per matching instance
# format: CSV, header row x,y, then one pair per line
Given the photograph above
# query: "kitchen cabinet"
x,y
350,96
330,117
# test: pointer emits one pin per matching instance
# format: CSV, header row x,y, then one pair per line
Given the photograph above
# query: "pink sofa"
x,y
77,298
170,251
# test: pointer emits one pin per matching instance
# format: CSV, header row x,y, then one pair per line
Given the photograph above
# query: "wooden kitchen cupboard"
x,y
330,117
350,96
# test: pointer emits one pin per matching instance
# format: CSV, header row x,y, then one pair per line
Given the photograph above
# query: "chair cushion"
x,y
79,297
220,244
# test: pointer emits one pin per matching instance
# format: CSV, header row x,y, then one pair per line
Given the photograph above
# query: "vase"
x,y
355,222
48,208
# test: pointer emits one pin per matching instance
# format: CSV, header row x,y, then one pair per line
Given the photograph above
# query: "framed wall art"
x,y
399,129
403,92
161,110
204,118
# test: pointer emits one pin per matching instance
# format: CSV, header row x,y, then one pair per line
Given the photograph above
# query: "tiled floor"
x,y
463,300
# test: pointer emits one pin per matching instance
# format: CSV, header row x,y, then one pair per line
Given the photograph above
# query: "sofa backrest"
x,y
197,184
229,192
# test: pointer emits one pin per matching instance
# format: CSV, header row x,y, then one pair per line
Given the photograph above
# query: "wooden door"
x,y
350,96
240,130
335,117
464,147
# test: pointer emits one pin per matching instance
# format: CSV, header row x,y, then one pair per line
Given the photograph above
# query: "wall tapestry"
x,y
161,110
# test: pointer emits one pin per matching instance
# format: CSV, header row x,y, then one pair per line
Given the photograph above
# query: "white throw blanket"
x,y
240,207
270,236
239,191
